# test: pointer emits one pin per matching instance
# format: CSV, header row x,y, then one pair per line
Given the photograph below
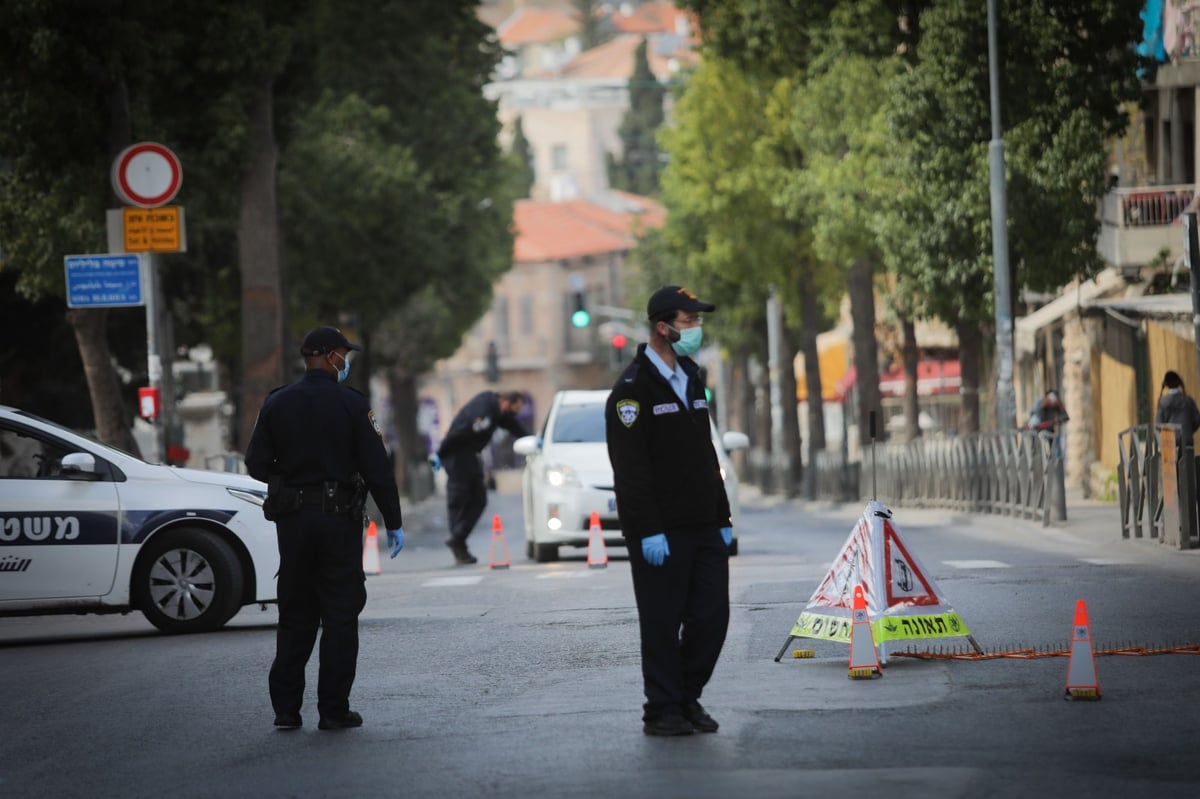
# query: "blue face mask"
x,y
344,372
689,340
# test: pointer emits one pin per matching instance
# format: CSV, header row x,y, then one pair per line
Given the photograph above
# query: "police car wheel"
x,y
187,581
545,553
733,548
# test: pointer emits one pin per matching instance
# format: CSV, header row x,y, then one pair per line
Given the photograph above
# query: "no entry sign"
x,y
147,175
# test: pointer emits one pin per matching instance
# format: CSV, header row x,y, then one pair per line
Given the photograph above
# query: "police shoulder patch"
x,y
627,411
375,423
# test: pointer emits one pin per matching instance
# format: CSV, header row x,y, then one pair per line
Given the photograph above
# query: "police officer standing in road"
x,y
674,514
469,433
318,447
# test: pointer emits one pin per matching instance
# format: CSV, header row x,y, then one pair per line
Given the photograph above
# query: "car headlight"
x,y
250,495
561,476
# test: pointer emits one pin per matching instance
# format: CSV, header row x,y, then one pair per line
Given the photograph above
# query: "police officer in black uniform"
x,y
318,447
469,433
674,514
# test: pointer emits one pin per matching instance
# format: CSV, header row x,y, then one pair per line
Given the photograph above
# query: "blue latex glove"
x,y
727,535
395,539
435,462
655,549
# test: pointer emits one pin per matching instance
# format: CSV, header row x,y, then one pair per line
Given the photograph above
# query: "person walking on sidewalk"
x,y
674,514
469,433
319,450
1176,407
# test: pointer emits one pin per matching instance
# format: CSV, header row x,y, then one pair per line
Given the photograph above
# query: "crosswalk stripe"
x,y
1106,561
564,575
977,564
444,581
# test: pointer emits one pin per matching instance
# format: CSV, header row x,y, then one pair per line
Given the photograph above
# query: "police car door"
x,y
58,527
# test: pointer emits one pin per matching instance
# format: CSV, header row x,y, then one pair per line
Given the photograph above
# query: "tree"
x,y
1065,69
637,169
397,198
522,151
591,25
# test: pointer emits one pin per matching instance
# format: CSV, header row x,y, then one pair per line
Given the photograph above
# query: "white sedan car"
x,y
568,476
86,528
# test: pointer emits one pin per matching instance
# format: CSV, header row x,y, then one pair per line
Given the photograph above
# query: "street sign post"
x,y
104,281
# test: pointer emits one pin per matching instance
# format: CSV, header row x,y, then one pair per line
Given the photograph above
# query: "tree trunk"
x,y
259,264
970,345
912,356
113,424
866,350
791,423
810,325
409,454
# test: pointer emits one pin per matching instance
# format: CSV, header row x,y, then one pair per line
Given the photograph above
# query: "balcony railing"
x,y
1139,223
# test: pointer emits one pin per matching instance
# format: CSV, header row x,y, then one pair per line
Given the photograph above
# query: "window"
x,y
22,456
559,157
525,315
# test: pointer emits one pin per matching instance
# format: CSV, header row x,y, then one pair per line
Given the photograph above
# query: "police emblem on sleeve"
x,y
627,411
375,423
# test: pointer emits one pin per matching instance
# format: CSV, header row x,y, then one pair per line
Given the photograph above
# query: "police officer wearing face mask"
x,y
470,431
318,447
674,514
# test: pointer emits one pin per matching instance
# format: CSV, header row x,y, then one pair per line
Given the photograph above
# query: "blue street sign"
x,y
103,281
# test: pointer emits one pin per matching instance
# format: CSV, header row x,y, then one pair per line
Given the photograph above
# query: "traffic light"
x,y
579,313
618,348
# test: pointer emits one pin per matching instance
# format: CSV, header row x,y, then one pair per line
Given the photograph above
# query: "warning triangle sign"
x,y
903,601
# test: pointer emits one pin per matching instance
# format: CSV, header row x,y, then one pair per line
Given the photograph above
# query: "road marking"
x,y
443,581
1106,561
561,575
977,564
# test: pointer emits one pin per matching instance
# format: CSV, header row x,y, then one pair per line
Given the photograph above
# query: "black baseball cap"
x,y
321,340
675,298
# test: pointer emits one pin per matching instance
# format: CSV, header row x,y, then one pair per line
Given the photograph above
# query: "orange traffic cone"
x,y
597,552
1082,682
371,551
864,660
497,537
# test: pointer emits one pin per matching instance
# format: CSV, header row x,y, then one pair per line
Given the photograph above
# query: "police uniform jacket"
x,y
317,430
666,472
475,423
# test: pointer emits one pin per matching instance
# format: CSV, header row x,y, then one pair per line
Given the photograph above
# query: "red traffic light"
x,y
618,341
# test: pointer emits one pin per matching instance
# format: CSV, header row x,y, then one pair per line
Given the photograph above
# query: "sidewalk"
x,y
1087,519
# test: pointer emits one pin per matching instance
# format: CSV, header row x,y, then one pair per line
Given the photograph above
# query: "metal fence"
x,y
1156,486
1019,473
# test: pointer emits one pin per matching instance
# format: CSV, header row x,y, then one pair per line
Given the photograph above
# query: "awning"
x,y
1026,328
934,377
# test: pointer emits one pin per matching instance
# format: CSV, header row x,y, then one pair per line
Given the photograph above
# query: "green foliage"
x,y
522,152
638,169
591,28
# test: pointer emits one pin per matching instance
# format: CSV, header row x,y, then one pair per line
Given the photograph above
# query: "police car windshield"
x,y
91,439
579,424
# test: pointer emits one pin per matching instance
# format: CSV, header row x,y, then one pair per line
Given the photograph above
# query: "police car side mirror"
x,y
79,464
735,440
527,445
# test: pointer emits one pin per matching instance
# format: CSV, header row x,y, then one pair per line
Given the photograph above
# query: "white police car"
x,y
86,528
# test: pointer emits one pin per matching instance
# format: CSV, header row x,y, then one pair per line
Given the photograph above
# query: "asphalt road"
x,y
518,682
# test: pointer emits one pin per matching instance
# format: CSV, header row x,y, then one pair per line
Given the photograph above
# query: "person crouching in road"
x,y
674,514
469,433
319,449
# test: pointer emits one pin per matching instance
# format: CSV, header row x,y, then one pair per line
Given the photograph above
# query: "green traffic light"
x,y
581,319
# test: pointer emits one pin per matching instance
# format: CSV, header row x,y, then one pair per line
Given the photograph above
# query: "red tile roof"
x,y
537,26
550,231
652,18
614,59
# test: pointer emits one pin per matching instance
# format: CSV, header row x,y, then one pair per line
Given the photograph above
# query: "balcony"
x,y
1137,224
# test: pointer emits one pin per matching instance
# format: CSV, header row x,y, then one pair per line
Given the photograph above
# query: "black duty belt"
x,y
339,500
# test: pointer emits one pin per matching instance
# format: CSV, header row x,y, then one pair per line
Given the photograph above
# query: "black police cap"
x,y
321,340
676,298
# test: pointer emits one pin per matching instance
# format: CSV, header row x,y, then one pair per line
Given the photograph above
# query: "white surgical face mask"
x,y
689,340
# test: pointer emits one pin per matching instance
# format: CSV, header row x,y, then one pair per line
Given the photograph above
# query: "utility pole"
x,y
1006,413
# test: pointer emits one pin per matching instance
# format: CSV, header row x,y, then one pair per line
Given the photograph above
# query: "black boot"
x,y
462,556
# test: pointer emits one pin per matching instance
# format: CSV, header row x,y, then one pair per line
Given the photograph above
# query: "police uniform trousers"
x,y
683,614
321,585
466,493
